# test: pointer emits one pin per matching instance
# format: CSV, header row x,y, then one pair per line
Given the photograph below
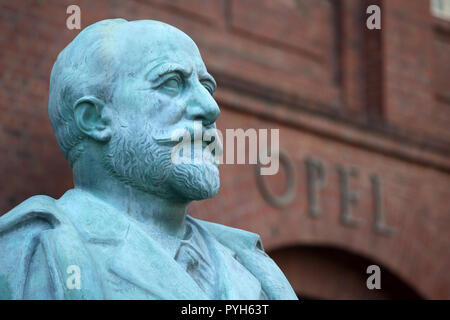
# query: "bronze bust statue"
x,y
117,92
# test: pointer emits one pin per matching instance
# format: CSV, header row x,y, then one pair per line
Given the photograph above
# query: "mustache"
x,y
175,136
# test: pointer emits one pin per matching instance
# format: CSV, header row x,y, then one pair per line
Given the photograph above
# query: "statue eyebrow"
x,y
208,77
163,69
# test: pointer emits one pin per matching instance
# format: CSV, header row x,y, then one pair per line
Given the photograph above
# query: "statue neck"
x,y
156,214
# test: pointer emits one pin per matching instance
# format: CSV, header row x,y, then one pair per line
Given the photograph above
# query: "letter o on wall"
x,y
286,198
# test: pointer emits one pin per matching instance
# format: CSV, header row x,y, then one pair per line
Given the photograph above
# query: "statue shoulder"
x,y
38,210
38,244
232,237
20,231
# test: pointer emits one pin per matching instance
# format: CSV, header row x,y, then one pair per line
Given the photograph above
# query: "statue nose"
x,y
204,109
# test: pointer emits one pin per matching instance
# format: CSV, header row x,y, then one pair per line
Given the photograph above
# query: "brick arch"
x,y
330,272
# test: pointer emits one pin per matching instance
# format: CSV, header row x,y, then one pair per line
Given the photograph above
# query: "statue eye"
x,y
208,86
172,86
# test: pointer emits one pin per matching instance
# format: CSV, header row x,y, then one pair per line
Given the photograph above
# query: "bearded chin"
x,y
195,181
138,161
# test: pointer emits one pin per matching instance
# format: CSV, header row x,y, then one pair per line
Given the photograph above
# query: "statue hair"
x,y
85,67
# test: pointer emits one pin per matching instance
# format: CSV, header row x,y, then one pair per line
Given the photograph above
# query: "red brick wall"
x,y
417,69
298,65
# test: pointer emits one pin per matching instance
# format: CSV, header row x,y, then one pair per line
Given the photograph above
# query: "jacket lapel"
x,y
250,252
232,285
135,256
141,261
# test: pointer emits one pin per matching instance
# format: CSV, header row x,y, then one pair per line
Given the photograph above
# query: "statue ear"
x,y
92,119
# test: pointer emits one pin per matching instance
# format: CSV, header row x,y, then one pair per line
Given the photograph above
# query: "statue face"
x,y
162,86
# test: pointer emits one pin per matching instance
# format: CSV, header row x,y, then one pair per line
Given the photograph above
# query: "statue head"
x,y
117,93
